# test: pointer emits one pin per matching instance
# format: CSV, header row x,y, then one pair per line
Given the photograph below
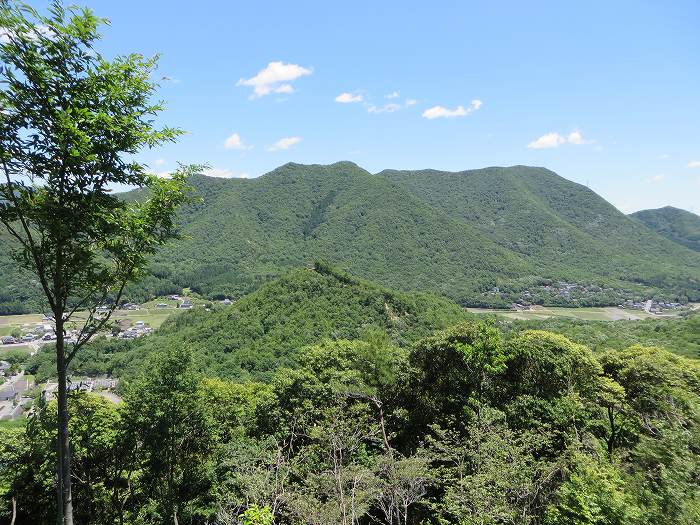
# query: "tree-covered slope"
x,y
562,228
265,329
248,231
678,225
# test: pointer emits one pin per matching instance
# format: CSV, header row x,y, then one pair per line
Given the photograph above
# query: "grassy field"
x,y
10,322
150,316
609,313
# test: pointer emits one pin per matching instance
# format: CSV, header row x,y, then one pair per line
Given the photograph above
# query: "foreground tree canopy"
x,y
465,426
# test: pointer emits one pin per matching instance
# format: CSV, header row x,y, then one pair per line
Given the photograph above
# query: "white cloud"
x,y
349,98
411,102
386,108
274,78
459,111
393,94
575,137
159,162
694,164
235,142
224,173
546,141
657,178
554,140
284,143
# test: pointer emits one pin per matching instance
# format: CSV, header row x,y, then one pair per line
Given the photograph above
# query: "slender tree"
x,y
71,122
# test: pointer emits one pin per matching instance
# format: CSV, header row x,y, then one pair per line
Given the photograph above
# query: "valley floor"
x,y
609,313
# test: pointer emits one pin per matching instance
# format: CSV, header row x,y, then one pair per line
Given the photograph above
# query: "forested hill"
x,y
562,228
678,225
460,235
267,328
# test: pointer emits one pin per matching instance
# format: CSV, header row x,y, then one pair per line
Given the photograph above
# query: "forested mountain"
x,y
678,225
563,229
247,231
456,234
20,291
461,235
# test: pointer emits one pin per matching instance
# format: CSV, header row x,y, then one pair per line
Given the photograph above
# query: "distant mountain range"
x,y
479,237
680,226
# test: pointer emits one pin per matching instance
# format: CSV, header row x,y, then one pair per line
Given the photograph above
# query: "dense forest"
x,y
467,425
518,230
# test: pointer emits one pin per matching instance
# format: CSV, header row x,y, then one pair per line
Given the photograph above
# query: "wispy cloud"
x,y
392,95
386,108
411,102
284,143
694,164
275,78
349,98
235,142
159,162
459,111
657,178
554,140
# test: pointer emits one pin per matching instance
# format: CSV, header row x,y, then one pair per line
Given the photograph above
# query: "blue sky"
x,y
603,93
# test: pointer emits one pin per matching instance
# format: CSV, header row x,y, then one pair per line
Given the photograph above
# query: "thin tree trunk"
x,y
14,510
64,478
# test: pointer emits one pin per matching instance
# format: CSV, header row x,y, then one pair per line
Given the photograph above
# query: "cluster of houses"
x,y
182,302
651,306
138,329
40,332
14,400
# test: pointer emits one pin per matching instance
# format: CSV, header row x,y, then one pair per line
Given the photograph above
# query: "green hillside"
x,y
248,231
678,225
266,329
563,229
